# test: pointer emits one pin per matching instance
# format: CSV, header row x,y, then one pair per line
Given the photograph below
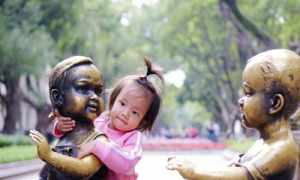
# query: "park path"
x,y
152,165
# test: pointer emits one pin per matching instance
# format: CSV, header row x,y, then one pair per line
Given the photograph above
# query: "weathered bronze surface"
x,y
75,87
271,84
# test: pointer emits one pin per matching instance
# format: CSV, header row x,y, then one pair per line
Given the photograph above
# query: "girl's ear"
x,y
56,97
277,103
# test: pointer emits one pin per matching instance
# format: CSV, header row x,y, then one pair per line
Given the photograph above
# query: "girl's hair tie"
x,y
153,76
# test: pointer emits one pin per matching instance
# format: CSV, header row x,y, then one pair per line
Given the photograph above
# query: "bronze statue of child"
x,y
134,104
75,88
271,84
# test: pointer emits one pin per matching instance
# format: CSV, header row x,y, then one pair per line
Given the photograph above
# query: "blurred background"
x,y
202,46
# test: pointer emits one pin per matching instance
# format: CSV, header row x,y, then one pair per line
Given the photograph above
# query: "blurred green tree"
x,y
26,48
209,40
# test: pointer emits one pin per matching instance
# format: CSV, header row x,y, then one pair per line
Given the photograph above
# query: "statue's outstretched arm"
x,y
190,171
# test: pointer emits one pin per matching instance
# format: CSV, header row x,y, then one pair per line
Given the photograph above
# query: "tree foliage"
x,y
210,40
23,46
213,40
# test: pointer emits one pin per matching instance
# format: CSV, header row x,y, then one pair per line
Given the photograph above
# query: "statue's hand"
x,y
184,167
43,146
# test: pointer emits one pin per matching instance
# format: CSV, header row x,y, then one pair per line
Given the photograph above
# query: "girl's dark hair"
x,y
143,80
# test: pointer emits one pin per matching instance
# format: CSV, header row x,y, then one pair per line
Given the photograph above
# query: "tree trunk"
x,y
33,96
43,122
259,34
13,108
245,48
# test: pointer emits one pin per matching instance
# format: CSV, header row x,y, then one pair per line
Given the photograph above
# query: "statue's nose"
x,y
241,102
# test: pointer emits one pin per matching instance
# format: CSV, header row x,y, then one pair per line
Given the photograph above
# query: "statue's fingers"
x,y
37,133
171,158
32,133
41,136
35,139
175,163
171,166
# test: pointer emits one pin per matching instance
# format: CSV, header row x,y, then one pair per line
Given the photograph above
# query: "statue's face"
x,y
83,93
254,104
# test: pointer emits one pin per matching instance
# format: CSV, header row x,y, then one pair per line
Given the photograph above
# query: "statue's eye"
x,y
99,91
82,88
248,92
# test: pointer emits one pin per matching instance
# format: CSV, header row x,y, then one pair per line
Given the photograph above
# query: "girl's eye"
x,y
135,113
122,103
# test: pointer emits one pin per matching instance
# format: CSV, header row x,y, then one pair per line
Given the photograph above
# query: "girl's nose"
x,y
125,112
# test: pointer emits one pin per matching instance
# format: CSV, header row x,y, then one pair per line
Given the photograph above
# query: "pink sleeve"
x,y
99,122
120,159
55,131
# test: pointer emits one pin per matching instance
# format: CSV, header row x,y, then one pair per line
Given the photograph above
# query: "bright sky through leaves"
x,y
175,77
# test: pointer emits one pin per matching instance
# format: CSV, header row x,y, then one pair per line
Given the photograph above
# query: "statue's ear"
x,y
277,103
56,97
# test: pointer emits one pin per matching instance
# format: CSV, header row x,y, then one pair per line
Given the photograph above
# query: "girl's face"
x,y
130,107
83,93
254,104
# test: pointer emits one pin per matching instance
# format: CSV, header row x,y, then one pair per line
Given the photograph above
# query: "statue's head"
x,y
75,87
271,84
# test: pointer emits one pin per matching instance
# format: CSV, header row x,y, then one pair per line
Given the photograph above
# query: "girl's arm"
x,y
119,159
56,132
78,167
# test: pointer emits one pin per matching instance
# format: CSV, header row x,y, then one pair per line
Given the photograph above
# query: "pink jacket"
x,y
121,154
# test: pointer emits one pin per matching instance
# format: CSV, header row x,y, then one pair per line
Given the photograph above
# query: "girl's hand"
x,y
89,147
43,148
64,124
184,167
86,149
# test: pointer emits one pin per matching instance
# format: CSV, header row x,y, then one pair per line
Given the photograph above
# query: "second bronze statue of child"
x,y
271,84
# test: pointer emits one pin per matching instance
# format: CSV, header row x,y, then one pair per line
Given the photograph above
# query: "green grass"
x,y
240,145
16,139
17,153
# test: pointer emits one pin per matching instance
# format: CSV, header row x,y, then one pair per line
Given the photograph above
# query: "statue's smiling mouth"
x,y
93,106
243,117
